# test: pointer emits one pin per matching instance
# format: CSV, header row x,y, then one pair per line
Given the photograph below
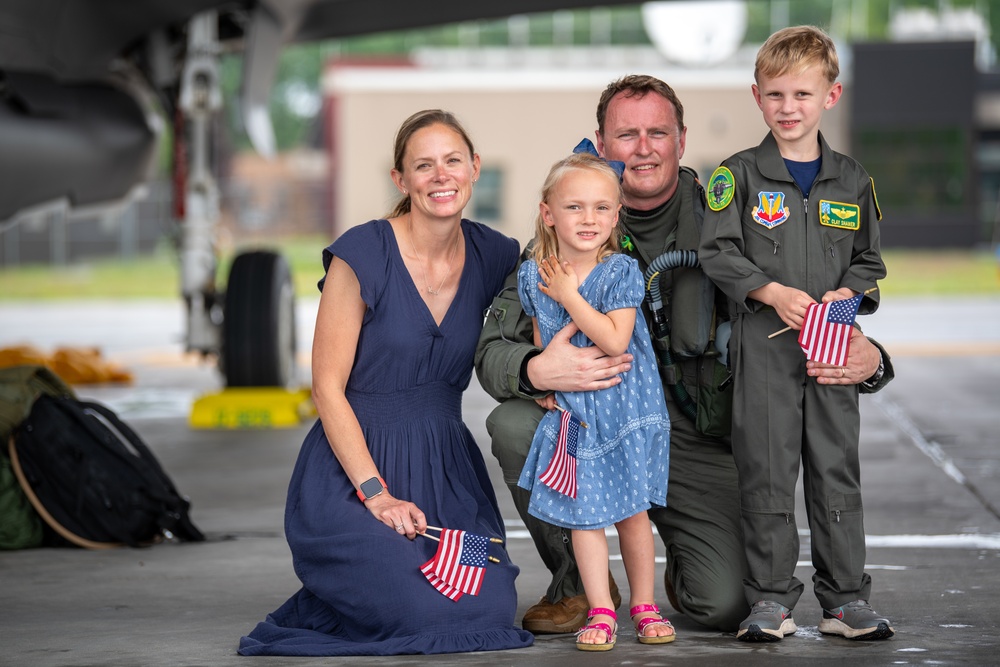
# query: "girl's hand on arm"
x,y
338,327
788,302
547,402
558,280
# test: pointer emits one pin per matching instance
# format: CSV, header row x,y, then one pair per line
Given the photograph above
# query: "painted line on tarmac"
x,y
932,449
516,531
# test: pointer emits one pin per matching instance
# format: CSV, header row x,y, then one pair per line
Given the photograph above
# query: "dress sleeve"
x,y
623,286
527,279
365,249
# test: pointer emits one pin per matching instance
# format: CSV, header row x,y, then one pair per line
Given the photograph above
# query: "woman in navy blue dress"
x,y
398,321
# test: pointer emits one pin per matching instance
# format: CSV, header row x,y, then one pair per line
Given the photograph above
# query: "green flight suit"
x,y
769,233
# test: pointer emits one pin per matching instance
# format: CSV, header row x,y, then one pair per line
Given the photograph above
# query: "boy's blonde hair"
x,y
791,50
546,244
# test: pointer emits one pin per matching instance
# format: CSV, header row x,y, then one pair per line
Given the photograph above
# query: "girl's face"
x,y
438,172
583,211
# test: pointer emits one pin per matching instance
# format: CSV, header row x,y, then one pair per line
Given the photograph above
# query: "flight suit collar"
x,y
772,165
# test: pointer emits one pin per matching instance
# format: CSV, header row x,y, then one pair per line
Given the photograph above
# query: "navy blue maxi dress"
x,y
362,590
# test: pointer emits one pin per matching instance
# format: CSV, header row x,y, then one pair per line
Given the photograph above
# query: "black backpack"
x,y
92,478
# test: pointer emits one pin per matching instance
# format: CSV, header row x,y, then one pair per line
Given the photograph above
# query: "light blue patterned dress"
x,y
623,457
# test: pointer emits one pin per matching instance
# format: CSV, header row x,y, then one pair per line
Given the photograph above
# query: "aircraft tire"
x,y
258,328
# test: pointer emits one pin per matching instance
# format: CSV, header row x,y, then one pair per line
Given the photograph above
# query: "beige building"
x,y
524,110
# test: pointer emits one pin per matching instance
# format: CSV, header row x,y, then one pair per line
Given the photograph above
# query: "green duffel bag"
x,y
20,386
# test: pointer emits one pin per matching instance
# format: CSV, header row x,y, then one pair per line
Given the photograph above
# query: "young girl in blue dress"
x,y
575,274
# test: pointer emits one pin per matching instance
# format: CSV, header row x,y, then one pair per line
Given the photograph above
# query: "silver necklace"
x,y
423,273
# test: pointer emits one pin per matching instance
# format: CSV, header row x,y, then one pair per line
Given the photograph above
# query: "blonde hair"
x,y
791,50
410,126
546,244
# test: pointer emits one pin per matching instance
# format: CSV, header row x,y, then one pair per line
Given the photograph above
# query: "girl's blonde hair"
x,y
545,243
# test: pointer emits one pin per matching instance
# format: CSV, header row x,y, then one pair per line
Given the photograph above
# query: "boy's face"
x,y
792,105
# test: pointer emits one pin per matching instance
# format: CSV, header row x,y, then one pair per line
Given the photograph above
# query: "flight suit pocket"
x,y
846,537
763,247
772,540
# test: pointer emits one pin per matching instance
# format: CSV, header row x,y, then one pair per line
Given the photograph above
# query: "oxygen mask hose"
x,y
668,261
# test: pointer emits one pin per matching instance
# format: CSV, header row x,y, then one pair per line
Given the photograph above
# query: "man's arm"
x,y
505,345
509,366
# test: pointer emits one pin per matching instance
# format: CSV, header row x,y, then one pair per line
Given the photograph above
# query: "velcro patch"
x,y
721,188
840,215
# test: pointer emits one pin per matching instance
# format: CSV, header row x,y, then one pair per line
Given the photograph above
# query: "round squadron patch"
x,y
721,188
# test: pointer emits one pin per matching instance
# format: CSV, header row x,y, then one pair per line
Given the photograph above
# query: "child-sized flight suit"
x,y
760,229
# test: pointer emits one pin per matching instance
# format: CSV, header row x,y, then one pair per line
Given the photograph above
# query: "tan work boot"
x,y
567,615
548,618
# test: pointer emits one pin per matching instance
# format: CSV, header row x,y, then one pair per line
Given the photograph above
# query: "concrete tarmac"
x,y
931,471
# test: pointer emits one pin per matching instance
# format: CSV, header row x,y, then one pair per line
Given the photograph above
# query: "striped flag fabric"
x,y
459,565
826,332
560,475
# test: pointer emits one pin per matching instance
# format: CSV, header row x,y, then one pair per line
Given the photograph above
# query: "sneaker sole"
x,y
754,633
833,626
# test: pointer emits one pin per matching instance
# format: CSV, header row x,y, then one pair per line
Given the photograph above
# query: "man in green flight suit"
x,y
640,121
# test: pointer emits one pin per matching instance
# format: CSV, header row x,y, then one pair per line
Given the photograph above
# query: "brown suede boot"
x,y
567,615
547,618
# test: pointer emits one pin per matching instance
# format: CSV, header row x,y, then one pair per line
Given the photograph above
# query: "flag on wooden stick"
x,y
459,565
560,475
826,332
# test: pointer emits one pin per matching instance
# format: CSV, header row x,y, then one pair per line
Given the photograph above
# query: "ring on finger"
x,y
399,527
843,372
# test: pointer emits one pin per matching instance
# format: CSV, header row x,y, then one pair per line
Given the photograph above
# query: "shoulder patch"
x,y
721,188
840,215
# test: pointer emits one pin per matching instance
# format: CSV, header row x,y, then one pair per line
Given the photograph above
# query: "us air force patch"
x,y
721,188
840,215
770,210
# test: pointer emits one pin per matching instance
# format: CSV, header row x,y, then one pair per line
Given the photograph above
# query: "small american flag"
x,y
560,476
826,332
459,565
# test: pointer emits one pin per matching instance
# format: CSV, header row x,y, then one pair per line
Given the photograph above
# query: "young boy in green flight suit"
x,y
771,245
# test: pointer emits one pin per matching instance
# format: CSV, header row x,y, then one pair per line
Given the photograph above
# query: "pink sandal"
x,y
643,623
603,627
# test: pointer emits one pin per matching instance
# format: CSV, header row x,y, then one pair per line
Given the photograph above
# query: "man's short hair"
x,y
791,50
638,85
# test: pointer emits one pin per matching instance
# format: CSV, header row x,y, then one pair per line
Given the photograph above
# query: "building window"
x,y
487,196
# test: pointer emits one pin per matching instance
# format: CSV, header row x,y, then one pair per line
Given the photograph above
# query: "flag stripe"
x,y
826,331
459,565
560,475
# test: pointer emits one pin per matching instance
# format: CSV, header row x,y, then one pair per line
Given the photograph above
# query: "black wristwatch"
x,y
371,488
873,381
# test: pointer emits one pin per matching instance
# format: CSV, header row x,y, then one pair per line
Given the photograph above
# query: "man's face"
x,y
642,132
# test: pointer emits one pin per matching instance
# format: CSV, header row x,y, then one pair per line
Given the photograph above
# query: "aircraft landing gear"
x,y
258,329
255,336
